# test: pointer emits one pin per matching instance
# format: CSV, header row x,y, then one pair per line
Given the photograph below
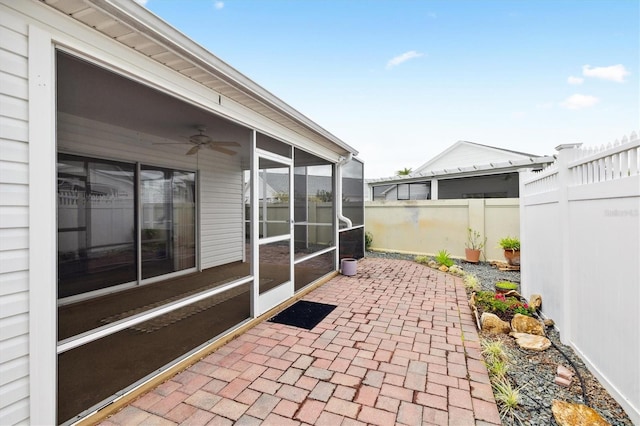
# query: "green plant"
x,y
444,258
471,282
497,368
506,285
504,307
506,396
493,350
509,243
423,260
368,239
474,240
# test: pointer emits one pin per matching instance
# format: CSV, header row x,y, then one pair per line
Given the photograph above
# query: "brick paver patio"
x,y
400,348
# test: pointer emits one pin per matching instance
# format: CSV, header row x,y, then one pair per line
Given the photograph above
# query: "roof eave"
x,y
152,26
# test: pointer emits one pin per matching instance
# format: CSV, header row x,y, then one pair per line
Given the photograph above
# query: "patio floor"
x,y
400,348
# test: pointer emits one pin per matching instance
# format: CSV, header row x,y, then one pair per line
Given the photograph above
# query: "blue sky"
x,y
402,80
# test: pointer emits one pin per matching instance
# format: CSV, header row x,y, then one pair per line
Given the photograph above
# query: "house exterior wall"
x,y
426,227
580,225
14,221
220,186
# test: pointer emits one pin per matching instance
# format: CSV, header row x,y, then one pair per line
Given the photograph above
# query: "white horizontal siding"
x,y
221,236
15,391
14,195
14,221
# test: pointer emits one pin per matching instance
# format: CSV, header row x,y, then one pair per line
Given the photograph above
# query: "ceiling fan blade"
x,y
224,143
221,149
193,150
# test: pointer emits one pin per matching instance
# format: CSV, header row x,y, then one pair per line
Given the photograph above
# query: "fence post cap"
x,y
568,146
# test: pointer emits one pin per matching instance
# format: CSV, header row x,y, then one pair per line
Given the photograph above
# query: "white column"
x,y
434,189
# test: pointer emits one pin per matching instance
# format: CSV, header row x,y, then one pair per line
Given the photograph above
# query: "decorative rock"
x,y
443,268
432,264
491,323
535,301
569,414
549,322
531,341
564,372
561,381
524,324
456,270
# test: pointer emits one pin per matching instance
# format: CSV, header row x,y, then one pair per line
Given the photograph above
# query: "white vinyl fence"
x,y
580,235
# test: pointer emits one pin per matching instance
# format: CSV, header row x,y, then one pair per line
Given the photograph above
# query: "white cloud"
x,y
518,114
412,54
579,101
615,73
218,4
575,80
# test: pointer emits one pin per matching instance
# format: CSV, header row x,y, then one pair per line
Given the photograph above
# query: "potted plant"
x,y
505,286
474,246
511,247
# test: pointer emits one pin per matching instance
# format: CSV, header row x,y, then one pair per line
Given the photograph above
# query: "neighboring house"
x,y
134,235
464,170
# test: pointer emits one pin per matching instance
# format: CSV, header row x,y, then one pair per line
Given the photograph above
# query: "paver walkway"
x,y
400,348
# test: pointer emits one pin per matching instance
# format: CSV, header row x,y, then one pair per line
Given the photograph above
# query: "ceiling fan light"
x,y
199,139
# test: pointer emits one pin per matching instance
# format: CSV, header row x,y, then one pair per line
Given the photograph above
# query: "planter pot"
x,y
513,257
349,266
472,255
504,290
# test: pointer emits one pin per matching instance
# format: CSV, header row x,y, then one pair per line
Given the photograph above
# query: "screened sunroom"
x,y
187,202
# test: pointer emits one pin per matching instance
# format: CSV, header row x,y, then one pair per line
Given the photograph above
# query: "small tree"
x,y
404,172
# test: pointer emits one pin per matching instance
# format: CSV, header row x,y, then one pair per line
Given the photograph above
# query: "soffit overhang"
x,y
136,27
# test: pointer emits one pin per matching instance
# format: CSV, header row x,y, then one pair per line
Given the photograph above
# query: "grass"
x,y
497,361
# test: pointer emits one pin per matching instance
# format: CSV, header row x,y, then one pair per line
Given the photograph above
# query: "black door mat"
x,y
303,314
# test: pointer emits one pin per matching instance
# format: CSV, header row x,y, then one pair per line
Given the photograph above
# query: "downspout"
x,y
339,190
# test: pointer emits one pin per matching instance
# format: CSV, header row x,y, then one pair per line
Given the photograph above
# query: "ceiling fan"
x,y
201,140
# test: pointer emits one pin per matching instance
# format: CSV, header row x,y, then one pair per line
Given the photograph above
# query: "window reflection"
x,y
168,221
96,225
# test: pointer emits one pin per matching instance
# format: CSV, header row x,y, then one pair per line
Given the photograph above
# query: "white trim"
x,y
42,229
312,255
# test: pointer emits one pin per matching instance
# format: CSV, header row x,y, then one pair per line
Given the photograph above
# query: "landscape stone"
x,y
432,264
535,301
531,341
443,268
549,322
561,381
570,414
524,324
491,323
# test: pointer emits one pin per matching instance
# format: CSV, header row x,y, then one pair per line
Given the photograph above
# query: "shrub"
x,y
368,239
444,258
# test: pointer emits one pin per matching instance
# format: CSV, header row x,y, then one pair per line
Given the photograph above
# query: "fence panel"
x,y
581,245
428,226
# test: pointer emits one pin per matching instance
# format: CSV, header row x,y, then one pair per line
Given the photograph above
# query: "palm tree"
x,y
404,172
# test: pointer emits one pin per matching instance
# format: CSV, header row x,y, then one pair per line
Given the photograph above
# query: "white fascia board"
x,y
472,171
152,26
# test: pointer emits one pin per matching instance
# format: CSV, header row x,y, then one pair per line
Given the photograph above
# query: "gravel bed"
x,y
534,372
